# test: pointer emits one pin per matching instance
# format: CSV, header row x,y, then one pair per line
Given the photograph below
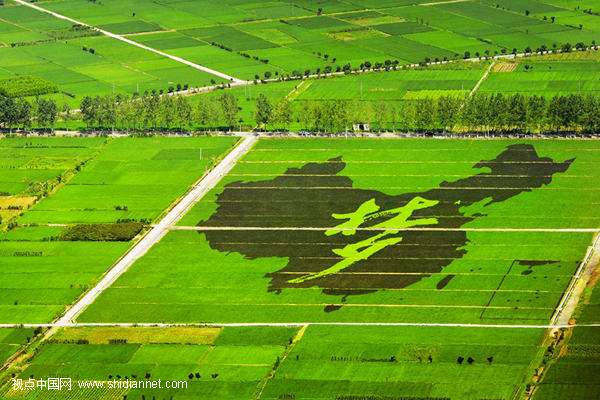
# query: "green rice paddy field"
x,y
226,364
114,67
296,35
279,363
261,246
11,340
40,275
248,39
574,374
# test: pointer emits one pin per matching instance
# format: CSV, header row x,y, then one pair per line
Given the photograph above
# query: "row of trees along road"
x,y
482,113
23,114
485,113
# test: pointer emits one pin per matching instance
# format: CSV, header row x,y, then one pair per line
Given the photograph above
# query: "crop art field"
x,y
75,204
451,231
350,252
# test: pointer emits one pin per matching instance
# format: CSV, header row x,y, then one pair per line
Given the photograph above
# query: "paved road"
x,y
159,230
234,81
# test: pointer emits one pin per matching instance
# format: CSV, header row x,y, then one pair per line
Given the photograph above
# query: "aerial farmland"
x,y
286,200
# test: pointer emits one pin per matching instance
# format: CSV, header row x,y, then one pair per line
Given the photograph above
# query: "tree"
x,y
167,114
88,111
425,114
264,110
8,111
209,111
183,111
337,117
536,112
66,114
382,111
564,111
282,114
150,110
23,113
518,112
566,47
306,118
448,108
230,108
46,111
359,112
590,114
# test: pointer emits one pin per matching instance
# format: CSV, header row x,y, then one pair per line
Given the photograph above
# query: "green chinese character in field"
x,y
355,219
362,250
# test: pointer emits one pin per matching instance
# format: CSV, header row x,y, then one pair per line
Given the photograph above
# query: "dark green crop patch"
x,y
120,232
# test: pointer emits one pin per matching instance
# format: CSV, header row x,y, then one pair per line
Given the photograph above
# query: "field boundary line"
x,y
435,3
420,229
299,89
288,349
159,230
235,81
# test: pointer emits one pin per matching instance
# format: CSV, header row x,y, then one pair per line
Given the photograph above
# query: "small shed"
x,y
361,127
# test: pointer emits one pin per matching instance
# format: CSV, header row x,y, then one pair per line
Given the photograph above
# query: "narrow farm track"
x,y
482,79
263,384
159,230
234,81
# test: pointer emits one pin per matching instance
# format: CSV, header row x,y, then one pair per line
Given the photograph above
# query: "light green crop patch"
x,y
362,250
22,86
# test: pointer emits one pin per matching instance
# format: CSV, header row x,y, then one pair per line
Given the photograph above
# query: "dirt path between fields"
x,y
568,304
233,80
483,78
